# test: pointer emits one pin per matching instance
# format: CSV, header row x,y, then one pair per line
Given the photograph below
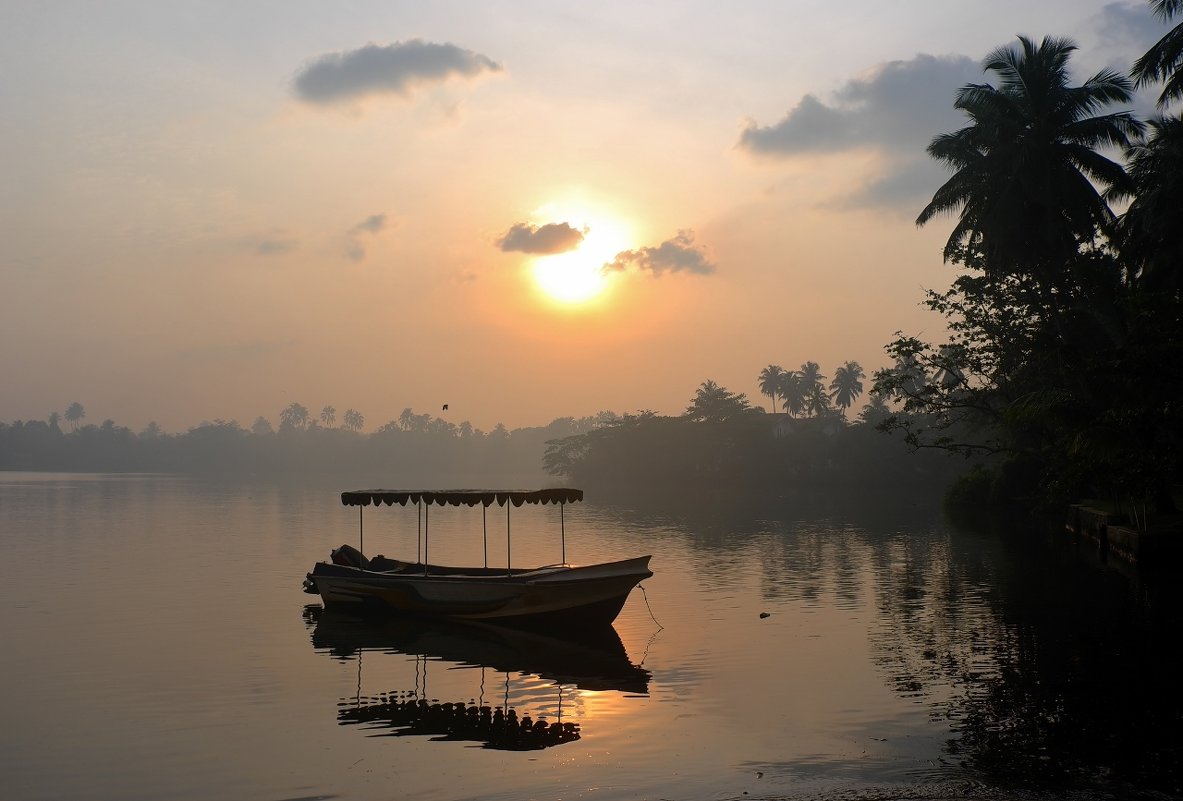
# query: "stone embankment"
x,y
1113,534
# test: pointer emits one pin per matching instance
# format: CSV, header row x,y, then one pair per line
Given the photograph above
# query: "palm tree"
x,y
328,416
847,385
792,392
294,415
1028,177
876,410
813,388
54,422
713,403
75,415
1164,61
353,420
1152,239
770,380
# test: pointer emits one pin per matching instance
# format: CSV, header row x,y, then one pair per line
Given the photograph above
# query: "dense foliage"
x,y
1066,321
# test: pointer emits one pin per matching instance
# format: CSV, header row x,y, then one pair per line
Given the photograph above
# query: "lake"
x,y
157,645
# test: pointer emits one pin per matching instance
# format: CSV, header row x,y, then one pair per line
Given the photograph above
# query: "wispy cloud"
x,y
675,255
272,246
395,69
545,239
370,226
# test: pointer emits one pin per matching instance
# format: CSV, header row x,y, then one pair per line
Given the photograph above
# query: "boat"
x,y
550,596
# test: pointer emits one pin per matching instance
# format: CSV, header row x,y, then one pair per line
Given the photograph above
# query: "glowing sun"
x,y
578,276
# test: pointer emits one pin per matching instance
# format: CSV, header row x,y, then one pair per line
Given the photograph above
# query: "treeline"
x,y
723,444
1064,360
414,444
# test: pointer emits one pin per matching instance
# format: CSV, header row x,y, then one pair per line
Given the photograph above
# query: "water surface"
x,y
157,646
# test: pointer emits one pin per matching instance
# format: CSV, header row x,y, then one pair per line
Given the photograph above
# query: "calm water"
x,y
157,646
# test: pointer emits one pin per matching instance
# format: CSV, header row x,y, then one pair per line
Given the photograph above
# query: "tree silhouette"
x,y
1028,175
713,403
261,427
1151,235
770,382
813,389
847,385
74,415
294,415
1162,62
353,420
792,392
328,416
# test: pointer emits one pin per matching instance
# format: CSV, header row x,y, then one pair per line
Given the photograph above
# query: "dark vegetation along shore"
x,y
1060,379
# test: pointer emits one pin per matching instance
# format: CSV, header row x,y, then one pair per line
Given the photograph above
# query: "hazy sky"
x,y
210,210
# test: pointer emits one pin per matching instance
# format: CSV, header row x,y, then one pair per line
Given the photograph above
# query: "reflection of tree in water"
x,y
1051,672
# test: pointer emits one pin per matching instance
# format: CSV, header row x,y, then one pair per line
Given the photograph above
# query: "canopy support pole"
x,y
485,534
563,531
508,570
419,531
361,532
426,526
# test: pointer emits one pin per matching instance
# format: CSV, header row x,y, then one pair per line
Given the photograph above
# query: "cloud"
x,y
899,107
673,255
1131,25
386,69
272,246
547,239
894,110
370,226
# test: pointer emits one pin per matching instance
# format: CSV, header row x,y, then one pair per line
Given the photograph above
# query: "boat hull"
x,y
593,594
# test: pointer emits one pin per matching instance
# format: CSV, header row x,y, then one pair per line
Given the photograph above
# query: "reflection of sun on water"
x,y
578,276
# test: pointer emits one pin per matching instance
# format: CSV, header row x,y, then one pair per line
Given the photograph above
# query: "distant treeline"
x,y
415,444
723,444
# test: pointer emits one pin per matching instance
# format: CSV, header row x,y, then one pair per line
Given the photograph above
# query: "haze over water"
x,y
158,646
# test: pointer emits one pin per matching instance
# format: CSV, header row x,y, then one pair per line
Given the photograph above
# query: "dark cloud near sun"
x,y
541,240
394,69
676,255
370,226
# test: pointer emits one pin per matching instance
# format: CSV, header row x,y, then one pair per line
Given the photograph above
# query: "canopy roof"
x,y
467,497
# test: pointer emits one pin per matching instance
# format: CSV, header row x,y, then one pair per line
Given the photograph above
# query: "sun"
x,y
577,277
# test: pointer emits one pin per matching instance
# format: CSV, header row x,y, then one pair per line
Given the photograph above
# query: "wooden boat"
x,y
549,596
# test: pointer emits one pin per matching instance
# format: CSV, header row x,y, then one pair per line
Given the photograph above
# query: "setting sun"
x,y
578,276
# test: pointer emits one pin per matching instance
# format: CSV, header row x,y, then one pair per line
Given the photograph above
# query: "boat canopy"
x,y
467,497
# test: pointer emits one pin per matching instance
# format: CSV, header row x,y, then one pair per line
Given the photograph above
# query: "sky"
x,y
523,210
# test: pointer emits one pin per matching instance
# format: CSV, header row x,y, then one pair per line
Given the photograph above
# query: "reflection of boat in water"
x,y
534,666
556,595
594,659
